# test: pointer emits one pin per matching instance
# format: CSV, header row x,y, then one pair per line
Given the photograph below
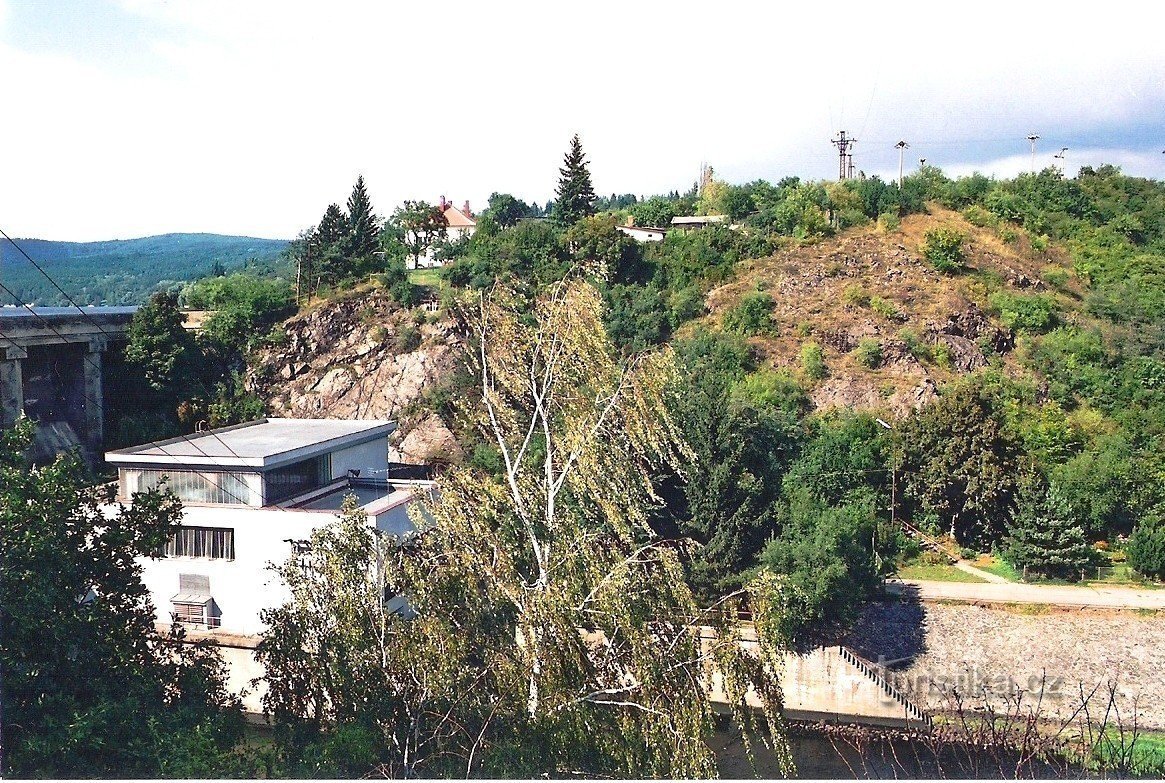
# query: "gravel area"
x,y
934,650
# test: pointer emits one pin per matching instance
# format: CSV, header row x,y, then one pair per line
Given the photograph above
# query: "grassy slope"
x,y
821,292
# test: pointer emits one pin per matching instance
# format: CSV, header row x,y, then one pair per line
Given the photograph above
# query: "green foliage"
x,y
826,555
246,307
89,688
1031,312
574,198
753,316
363,225
408,339
126,271
944,249
960,462
1042,537
419,227
506,210
160,350
813,361
1146,547
869,353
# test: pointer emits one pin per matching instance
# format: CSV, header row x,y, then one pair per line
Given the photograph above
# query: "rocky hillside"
x,y
363,357
870,287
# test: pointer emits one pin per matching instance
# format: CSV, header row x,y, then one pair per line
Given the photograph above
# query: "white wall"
x,y
371,459
243,586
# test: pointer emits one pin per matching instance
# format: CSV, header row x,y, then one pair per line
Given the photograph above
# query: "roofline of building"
x,y
129,457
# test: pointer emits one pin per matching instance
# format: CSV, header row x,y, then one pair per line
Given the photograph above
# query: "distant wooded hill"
x,y
124,271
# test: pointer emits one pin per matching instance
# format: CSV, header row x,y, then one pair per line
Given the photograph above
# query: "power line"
x,y
96,404
87,316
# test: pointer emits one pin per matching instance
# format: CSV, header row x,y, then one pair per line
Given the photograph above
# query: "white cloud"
x,y
253,116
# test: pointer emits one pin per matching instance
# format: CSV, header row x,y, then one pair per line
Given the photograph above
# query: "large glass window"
x,y
216,543
297,478
202,486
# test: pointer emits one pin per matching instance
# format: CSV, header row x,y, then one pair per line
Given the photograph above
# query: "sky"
x,y
126,118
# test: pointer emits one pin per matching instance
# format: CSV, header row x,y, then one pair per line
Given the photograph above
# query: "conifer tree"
x,y
1042,536
363,230
334,228
574,197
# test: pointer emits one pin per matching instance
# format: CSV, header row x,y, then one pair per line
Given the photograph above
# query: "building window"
x,y
215,543
203,486
297,478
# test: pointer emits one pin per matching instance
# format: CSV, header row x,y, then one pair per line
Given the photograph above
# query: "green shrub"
x,y
888,222
942,356
1146,548
915,346
944,249
408,339
1039,242
884,307
752,316
1031,313
813,361
1056,276
977,216
856,295
1008,234
869,353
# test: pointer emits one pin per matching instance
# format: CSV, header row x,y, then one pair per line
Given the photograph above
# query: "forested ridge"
x,y
124,271
735,419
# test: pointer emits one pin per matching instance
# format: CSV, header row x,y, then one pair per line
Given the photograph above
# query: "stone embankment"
x,y
934,651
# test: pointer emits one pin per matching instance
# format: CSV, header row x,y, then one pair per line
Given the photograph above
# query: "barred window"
x,y
216,543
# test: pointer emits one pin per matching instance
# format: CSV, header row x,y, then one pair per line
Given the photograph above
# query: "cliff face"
x,y
362,357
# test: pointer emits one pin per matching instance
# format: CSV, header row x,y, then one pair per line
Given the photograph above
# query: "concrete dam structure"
x,y
51,361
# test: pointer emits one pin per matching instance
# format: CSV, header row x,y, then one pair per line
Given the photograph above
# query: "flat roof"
x,y
259,444
680,220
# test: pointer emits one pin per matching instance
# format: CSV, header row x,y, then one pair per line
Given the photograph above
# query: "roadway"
x,y
1011,592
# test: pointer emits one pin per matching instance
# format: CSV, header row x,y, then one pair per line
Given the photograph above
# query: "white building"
x,y
252,495
643,233
459,224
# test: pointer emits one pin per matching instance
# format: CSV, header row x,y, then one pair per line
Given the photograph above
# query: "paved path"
x,y
986,576
1011,592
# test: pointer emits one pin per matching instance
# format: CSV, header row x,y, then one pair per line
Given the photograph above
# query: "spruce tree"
x,y
362,223
334,228
575,197
1042,536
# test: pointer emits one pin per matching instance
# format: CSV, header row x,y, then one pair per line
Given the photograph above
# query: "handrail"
x,y
865,667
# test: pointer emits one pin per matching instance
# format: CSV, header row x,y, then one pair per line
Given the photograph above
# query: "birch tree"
x,y
549,630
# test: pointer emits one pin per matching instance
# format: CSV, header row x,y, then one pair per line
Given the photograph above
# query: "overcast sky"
x,y
126,118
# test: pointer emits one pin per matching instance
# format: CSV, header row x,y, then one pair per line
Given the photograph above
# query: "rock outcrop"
x,y
362,357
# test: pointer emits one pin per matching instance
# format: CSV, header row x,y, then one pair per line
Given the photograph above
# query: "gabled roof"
x,y
259,445
455,218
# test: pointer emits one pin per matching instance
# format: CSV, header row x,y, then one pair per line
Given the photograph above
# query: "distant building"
x,y
460,223
642,233
697,221
252,495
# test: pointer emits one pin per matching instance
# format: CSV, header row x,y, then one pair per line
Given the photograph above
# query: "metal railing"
x,y
912,711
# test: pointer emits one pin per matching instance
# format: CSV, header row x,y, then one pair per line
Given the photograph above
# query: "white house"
x,y
643,233
459,223
252,494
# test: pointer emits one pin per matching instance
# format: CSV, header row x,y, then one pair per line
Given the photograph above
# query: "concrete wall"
x,y
371,459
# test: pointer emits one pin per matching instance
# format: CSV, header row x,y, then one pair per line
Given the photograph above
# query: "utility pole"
x,y
900,146
845,163
1032,138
